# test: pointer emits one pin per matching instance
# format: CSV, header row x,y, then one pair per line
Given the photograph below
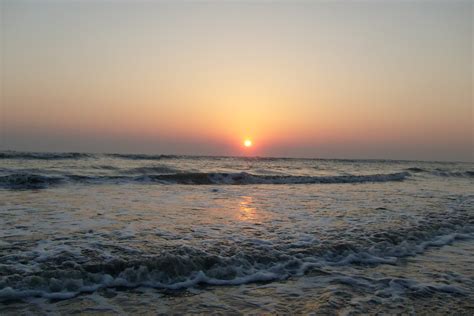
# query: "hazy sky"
x,y
353,79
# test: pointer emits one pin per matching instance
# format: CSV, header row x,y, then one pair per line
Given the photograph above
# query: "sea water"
x,y
147,234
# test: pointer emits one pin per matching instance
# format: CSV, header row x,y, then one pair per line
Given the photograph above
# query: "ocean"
x,y
150,234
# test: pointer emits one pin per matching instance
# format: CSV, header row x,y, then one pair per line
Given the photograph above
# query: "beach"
x,y
139,234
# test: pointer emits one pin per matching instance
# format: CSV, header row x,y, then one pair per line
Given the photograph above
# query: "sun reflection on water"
x,y
247,211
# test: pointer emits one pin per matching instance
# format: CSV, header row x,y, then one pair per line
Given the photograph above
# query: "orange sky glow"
x,y
315,79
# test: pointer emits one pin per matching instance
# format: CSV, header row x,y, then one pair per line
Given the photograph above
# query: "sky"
x,y
326,79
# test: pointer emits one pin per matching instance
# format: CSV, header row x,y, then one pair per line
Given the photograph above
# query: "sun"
x,y
247,143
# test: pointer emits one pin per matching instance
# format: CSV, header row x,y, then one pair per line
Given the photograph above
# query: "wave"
x,y
25,181
152,169
43,156
28,181
455,174
76,155
443,172
104,167
247,178
67,274
416,169
142,156
37,181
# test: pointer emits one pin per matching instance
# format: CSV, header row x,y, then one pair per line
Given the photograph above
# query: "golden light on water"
x,y
247,211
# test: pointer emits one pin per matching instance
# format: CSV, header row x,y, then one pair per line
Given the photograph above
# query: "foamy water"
x,y
137,233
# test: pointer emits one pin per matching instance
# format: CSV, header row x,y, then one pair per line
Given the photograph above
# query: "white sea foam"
x,y
137,225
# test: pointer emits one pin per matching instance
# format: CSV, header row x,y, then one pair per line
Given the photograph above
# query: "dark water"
x,y
119,234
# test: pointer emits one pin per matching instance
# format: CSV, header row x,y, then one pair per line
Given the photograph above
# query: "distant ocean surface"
x,y
146,234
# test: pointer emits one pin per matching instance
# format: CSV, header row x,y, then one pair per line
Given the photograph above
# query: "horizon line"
x,y
237,156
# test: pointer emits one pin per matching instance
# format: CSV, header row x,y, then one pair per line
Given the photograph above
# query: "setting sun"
x,y
245,142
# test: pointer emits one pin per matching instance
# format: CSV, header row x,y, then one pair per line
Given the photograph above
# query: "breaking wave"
x,y
152,169
28,181
42,156
247,178
443,172
416,169
142,156
36,181
75,155
67,274
456,174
